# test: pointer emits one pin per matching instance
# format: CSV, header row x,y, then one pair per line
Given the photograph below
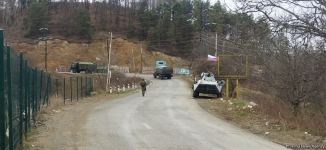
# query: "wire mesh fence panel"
x,y
24,91
13,81
2,96
7,115
74,88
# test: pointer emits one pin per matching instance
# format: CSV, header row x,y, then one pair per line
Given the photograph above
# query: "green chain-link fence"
x,y
25,90
74,88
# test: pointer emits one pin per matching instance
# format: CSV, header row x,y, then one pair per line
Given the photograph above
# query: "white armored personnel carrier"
x,y
208,85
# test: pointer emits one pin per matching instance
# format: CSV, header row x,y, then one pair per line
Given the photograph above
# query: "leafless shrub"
x,y
293,73
299,17
294,53
203,65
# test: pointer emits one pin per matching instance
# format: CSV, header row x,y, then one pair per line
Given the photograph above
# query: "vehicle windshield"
x,y
210,78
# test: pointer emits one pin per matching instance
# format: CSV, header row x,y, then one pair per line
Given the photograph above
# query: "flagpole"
x,y
216,44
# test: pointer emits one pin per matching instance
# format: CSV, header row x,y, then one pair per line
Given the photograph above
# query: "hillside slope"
x,y
62,52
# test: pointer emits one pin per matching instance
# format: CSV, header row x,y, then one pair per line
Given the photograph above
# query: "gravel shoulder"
x,y
60,126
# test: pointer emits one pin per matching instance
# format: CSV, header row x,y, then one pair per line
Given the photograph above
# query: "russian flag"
x,y
212,58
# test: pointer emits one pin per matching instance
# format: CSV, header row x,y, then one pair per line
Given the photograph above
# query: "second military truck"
x,y
87,67
162,70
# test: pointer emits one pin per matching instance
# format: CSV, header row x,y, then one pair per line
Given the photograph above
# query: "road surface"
x,y
166,118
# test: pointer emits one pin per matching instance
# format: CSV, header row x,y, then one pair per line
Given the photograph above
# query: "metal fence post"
x,y
33,93
46,89
77,87
9,95
2,94
227,88
40,88
21,99
81,86
37,89
25,97
71,89
28,98
64,90
57,88
92,86
237,88
26,78
89,86
86,82
49,91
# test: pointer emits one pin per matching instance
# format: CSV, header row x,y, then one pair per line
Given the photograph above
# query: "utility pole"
x,y
108,48
46,55
141,57
133,59
44,38
159,32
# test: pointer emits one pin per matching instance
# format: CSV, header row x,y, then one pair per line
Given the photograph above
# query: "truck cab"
x,y
160,63
162,70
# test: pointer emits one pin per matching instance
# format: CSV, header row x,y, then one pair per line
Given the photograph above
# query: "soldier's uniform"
x,y
143,86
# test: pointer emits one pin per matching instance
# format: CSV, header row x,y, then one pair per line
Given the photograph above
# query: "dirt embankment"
x,y
62,52
249,112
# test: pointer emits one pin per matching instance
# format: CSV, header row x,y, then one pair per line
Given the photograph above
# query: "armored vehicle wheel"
x,y
218,95
195,94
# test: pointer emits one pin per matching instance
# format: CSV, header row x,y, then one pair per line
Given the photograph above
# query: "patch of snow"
x,y
253,104
56,111
267,123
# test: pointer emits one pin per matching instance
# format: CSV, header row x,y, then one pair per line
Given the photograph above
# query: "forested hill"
x,y
181,28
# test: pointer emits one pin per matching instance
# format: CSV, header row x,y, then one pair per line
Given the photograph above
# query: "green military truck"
x,y
80,66
162,70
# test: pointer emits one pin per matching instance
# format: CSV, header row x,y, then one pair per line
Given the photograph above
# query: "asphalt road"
x,y
166,118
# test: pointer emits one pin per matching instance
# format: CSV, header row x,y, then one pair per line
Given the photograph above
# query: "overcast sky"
x,y
228,3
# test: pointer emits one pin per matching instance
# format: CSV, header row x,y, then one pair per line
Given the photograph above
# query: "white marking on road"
x,y
147,126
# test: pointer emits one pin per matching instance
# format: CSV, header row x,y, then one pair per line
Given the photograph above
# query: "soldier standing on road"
x,y
143,86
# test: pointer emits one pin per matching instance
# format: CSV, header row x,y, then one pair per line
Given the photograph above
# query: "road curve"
x,y
166,118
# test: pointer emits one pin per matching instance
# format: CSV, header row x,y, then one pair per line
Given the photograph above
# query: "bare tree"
x,y
301,17
293,72
291,58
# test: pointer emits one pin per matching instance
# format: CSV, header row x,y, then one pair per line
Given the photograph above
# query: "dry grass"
x,y
281,126
62,52
309,119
